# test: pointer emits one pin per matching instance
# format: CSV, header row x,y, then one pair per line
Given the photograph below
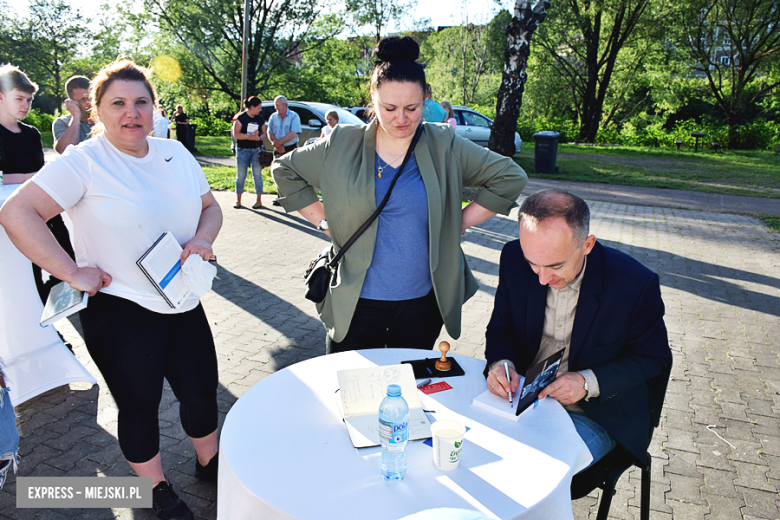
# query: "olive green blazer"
x,y
342,166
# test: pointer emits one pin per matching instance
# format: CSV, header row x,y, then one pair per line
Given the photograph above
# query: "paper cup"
x,y
447,443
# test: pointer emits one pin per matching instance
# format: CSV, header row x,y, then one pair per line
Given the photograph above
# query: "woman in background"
x,y
332,117
450,114
249,131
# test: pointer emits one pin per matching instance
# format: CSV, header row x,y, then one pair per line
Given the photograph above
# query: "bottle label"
x,y
394,433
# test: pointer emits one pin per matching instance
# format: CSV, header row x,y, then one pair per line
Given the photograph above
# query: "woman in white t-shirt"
x,y
122,190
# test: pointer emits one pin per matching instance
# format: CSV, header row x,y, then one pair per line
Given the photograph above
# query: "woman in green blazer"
x,y
406,275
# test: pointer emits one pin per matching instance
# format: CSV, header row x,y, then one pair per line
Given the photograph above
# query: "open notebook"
x,y
361,391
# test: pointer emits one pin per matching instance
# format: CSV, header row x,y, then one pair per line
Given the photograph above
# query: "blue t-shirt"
x,y
400,268
281,127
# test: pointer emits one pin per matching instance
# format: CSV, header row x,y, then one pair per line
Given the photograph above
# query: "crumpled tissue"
x,y
198,275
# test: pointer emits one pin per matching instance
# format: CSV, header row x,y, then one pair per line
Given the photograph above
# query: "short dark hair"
x,y
75,82
252,101
13,78
553,203
396,60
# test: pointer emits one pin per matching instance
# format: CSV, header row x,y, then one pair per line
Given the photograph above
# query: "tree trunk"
x,y
524,22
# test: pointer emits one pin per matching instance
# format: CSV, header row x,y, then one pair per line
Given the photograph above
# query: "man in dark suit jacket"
x,y
559,288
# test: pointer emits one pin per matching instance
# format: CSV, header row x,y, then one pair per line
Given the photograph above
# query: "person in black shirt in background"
x,y
182,120
21,153
248,146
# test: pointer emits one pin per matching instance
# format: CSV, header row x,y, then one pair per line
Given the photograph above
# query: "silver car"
x,y
312,118
474,126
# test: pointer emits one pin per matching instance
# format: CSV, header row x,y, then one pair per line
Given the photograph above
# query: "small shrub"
x,y
210,126
39,120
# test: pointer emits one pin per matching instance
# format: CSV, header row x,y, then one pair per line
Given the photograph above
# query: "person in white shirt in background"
x,y
122,189
332,117
161,125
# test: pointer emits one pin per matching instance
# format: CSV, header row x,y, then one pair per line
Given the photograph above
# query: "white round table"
x,y
35,358
285,452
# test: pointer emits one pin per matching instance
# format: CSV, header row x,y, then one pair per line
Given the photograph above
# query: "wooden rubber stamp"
x,y
443,364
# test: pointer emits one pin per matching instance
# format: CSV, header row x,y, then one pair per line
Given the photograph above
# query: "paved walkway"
x,y
657,197
715,456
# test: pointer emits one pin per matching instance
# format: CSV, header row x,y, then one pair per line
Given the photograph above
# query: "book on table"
x,y
362,390
161,264
535,380
63,301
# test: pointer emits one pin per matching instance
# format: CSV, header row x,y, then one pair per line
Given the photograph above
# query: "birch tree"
x,y
525,20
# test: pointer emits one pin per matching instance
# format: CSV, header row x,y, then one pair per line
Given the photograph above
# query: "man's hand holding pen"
x,y
497,381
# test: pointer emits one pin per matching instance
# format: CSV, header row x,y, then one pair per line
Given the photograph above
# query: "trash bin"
x,y
545,151
191,137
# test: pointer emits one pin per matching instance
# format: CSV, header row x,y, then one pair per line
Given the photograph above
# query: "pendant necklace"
x,y
379,168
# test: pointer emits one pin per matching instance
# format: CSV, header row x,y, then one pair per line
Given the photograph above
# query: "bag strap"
x,y
381,206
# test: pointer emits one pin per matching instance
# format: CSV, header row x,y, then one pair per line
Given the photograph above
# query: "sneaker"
x,y
209,471
276,202
167,505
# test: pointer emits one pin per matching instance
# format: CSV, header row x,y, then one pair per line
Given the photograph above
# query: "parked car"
x,y
361,112
474,126
312,118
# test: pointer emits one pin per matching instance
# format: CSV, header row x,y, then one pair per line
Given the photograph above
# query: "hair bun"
x,y
397,49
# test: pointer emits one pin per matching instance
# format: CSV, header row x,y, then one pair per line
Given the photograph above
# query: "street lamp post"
x,y
244,54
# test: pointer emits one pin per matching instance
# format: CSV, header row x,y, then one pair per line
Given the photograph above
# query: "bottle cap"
x,y
393,390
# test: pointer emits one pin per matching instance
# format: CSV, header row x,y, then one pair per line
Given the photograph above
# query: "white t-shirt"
x,y
121,204
160,126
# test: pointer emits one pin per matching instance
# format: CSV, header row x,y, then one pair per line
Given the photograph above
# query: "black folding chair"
x,y
605,473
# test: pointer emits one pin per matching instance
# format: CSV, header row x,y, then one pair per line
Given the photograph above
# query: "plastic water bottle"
x,y
393,434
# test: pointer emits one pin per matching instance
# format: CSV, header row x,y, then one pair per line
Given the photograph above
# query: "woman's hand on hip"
x,y
90,279
197,246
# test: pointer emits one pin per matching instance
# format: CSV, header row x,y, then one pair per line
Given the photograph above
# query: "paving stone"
x,y
682,463
718,482
687,489
687,510
723,507
759,504
753,476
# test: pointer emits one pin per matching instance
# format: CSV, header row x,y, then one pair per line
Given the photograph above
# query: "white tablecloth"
x,y
35,358
285,453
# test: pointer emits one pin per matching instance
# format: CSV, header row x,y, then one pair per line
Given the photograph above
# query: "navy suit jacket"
x,y
618,332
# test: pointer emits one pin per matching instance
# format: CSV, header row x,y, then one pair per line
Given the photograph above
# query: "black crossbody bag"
x,y
318,275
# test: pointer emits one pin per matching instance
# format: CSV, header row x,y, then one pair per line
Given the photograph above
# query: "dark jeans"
x,y
135,349
393,324
57,227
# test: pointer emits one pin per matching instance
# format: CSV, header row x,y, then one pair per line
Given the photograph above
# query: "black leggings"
x,y
135,349
393,324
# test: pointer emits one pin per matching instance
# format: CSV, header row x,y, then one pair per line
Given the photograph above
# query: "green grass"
x,y
210,146
223,178
48,139
773,221
751,173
